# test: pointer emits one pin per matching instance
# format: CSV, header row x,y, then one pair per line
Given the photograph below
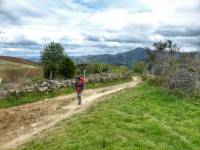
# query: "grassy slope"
x,y
18,60
141,118
12,64
4,64
33,97
18,67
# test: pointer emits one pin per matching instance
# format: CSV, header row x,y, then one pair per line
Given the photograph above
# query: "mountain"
x,y
125,59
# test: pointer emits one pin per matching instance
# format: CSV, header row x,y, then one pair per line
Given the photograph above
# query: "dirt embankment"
x,y
19,124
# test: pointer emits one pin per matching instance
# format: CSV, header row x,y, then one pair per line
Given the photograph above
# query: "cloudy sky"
x,y
96,26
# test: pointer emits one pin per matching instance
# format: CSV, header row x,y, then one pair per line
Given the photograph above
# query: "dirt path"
x,y
18,124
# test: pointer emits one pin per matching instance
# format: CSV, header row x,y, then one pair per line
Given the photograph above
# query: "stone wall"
x,y
57,84
185,81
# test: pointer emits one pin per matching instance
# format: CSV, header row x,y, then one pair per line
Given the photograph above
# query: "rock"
x,y
43,89
184,81
56,84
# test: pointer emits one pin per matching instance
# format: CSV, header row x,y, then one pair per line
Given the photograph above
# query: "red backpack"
x,y
80,84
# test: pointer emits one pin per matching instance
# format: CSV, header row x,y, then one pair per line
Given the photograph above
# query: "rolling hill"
x,y
18,60
13,69
126,58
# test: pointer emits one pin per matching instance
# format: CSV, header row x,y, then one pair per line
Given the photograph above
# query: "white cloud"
x,y
94,26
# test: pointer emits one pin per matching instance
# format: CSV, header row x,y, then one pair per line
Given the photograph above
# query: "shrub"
x,y
67,68
140,67
156,80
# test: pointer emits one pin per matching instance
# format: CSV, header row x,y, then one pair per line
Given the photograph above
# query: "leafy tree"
x,y
67,68
51,59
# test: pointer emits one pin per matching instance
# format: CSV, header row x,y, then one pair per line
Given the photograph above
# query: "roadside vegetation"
x,y
145,117
167,67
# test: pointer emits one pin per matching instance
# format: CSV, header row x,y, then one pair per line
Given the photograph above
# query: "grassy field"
x,y
37,96
142,118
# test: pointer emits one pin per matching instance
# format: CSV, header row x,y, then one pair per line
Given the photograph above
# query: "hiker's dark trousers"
x,y
79,95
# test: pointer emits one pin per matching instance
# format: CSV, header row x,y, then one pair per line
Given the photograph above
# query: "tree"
x,y
67,68
162,60
51,59
166,46
160,46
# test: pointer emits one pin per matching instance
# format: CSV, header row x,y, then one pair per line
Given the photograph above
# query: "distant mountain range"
x,y
125,59
122,59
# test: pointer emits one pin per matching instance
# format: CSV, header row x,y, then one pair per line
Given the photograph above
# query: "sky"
x,y
89,27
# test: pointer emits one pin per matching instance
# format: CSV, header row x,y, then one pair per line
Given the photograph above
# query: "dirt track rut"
x,y
18,124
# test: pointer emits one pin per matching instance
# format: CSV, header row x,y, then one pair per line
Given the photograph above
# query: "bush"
x,y
67,68
140,67
156,80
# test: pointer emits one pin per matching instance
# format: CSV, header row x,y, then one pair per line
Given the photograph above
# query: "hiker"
x,y
79,86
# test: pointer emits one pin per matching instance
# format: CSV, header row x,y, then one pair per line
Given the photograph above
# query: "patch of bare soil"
x,y
18,124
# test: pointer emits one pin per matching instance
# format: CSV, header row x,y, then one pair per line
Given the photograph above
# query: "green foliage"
x,y
56,63
142,118
67,68
156,80
140,67
51,59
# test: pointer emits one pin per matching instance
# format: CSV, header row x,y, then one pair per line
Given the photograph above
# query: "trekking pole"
x,y
84,73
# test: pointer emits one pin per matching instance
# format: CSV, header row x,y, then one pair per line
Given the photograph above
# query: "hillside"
x,y
13,69
18,60
126,58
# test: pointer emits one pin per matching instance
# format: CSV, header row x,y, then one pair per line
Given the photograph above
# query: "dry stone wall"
x,y
57,84
185,81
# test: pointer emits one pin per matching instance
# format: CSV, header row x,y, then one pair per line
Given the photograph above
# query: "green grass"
x,y
144,118
37,96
